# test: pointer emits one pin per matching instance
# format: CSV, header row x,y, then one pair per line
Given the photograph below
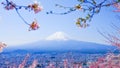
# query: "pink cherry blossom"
x,y
36,7
34,25
117,6
2,45
10,6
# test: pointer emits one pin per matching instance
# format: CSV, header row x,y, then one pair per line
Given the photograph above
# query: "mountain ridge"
x,y
61,45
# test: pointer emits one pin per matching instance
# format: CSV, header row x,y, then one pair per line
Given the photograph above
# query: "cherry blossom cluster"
x,y
117,6
110,61
2,45
36,7
9,5
34,25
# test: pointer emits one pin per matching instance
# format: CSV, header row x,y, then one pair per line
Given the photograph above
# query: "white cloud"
x,y
58,36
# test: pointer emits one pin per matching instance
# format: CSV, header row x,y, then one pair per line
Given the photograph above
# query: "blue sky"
x,y
14,31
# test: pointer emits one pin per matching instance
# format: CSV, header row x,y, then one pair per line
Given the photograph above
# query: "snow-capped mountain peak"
x,y
58,36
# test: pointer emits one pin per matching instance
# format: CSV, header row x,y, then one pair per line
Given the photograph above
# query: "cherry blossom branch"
x,y
91,7
9,5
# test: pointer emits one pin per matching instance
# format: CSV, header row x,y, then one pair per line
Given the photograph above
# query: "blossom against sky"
x,y
13,30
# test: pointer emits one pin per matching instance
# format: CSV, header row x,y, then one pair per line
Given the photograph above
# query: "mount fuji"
x,y
59,41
